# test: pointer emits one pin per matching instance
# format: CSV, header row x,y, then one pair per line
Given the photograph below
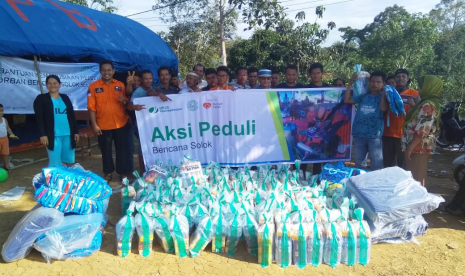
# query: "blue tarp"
x,y
55,29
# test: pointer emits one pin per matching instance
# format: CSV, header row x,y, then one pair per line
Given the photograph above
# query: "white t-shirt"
x,y
201,84
186,90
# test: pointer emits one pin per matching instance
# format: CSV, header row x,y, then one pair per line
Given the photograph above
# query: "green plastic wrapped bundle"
x,y
125,229
128,193
283,242
145,228
163,234
179,228
233,234
220,227
202,236
301,236
249,230
349,243
363,237
315,244
333,244
265,241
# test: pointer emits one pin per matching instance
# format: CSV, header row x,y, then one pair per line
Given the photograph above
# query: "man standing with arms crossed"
x,y
106,102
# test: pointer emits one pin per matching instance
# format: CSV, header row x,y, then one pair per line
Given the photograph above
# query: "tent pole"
x,y
36,64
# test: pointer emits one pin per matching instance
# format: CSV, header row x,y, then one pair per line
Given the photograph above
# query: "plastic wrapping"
x,y
163,234
315,244
76,232
363,240
301,238
333,215
220,228
335,173
201,237
145,227
396,105
265,236
27,230
399,230
333,244
179,228
391,194
154,173
233,234
361,83
71,190
125,229
128,194
93,247
283,243
249,231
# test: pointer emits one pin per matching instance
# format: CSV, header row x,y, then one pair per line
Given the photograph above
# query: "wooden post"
x,y
36,64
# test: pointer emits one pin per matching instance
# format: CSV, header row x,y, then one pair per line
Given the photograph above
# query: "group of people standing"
x,y
388,140
393,140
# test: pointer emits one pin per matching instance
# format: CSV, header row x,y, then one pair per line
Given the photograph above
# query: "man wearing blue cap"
x,y
264,78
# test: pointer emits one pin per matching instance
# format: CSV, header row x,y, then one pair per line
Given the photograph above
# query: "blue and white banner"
x,y
19,84
247,127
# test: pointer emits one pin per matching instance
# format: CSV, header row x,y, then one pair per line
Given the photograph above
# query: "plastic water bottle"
x,y
179,76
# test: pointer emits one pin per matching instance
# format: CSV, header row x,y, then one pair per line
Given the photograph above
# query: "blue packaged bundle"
x,y
71,190
395,102
335,173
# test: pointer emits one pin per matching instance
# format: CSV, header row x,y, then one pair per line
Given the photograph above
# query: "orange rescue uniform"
x,y
103,99
395,123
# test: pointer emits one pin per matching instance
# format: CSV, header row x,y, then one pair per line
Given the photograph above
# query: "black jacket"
x,y
43,108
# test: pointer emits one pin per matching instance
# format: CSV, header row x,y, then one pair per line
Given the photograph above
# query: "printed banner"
x,y
247,127
19,84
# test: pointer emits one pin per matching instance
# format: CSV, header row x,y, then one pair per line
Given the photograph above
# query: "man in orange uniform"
x,y
392,152
106,102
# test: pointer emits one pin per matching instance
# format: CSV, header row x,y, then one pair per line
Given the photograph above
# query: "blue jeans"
x,y
372,146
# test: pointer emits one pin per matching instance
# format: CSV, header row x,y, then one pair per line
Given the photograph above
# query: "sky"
x,y
353,13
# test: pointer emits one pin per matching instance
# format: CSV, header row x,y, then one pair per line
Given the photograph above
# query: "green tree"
x,y
449,16
102,5
265,13
195,42
396,39
296,42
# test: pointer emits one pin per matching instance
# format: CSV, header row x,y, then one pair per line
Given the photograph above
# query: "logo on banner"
x,y
207,105
192,105
153,109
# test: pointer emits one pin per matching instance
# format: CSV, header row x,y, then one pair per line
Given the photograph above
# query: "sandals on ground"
x,y
108,177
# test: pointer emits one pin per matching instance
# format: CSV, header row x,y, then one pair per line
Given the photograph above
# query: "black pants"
x,y
105,142
316,168
459,199
392,152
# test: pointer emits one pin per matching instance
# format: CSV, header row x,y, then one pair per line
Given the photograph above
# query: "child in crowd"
x,y
368,123
5,130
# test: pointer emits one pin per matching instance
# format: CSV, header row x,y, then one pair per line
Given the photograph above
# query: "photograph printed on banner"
x,y
316,124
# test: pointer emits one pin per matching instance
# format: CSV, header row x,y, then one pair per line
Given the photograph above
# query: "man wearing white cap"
x,y
192,82
264,78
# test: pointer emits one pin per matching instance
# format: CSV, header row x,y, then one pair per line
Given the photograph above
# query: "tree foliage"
x,y
102,5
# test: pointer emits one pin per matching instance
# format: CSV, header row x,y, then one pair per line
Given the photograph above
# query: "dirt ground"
x,y
431,257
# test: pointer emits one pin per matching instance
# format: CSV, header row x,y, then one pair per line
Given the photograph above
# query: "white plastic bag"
x,y
27,230
361,83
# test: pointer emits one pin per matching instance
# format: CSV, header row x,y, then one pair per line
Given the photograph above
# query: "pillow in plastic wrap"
x,y
391,194
27,230
74,233
400,230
